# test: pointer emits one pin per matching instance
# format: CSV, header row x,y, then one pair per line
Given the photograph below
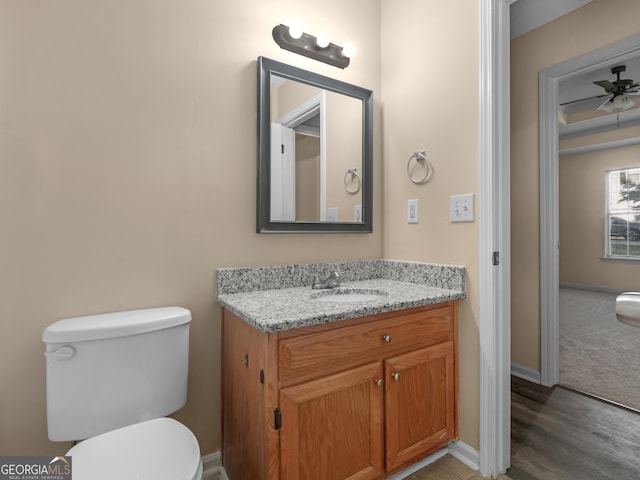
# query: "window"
x,y
623,213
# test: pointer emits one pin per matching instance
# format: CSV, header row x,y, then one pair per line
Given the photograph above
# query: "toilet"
x,y
111,380
628,308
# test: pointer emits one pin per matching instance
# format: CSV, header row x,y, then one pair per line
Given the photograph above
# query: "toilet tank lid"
x,y
112,325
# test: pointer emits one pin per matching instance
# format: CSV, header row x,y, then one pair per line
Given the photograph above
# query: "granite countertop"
x,y
279,309
283,309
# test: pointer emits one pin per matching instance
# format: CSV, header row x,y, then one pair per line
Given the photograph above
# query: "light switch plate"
x,y
413,211
357,213
332,214
461,208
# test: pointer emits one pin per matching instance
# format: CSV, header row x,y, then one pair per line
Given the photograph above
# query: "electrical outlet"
x,y
332,214
412,211
461,208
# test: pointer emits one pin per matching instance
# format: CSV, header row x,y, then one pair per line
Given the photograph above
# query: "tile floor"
x,y
448,468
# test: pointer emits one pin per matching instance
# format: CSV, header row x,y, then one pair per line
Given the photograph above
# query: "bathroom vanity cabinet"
x,y
354,399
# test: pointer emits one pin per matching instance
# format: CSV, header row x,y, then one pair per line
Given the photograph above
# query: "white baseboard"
x,y
458,449
525,372
417,466
212,468
466,454
592,288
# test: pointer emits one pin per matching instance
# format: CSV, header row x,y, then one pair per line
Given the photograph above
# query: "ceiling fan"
x,y
617,92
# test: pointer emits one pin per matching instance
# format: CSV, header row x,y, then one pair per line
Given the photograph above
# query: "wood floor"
x,y
558,434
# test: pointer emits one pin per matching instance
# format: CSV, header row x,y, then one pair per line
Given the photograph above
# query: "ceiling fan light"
x,y
607,106
628,103
618,101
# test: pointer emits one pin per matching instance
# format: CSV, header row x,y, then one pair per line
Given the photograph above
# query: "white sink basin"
x,y
349,296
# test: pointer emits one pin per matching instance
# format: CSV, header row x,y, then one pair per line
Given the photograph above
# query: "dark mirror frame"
x,y
266,67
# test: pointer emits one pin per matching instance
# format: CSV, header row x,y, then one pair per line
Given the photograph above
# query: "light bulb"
x,y
295,31
628,103
618,101
349,50
323,40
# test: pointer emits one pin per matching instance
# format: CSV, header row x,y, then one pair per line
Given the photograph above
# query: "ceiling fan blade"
x,y
584,99
606,84
602,104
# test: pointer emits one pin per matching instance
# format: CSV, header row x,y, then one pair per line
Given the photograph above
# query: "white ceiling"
x,y
582,86
527,15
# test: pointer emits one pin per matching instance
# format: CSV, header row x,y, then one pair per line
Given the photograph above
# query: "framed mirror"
x,y
315,152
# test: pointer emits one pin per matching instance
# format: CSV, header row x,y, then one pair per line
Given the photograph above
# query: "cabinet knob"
x,y
386,338
379,382
396,376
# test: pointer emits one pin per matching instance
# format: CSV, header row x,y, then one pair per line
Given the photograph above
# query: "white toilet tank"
x,y
112,370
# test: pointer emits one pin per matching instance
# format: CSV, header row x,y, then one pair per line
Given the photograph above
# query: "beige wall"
x,y
344,149
128,159
582,219
584,30
307,178
288,96
127,174
419,114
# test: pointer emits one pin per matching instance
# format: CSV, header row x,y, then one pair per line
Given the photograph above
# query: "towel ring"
x,y
420,156
349,177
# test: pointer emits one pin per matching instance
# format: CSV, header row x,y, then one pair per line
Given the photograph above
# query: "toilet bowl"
x,y
159,449
111,380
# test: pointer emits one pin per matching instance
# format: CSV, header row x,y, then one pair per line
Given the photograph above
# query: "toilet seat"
x,y
159,449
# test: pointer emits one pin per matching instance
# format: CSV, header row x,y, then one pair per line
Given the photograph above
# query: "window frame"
x,y
608,214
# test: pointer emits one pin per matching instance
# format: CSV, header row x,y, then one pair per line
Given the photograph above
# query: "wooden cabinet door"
x,y
332,428
420,404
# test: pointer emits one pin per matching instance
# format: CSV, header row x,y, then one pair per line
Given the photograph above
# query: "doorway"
x,y
549,195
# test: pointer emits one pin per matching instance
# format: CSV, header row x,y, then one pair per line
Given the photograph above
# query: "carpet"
x,y
598,354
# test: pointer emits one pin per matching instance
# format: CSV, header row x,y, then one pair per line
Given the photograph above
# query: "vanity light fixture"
x,y
317,48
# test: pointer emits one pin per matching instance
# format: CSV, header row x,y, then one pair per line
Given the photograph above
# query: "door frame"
x,y
315,105
495,231
283,177
549,80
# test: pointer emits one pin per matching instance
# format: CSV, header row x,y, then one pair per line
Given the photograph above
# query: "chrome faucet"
x,y
332,281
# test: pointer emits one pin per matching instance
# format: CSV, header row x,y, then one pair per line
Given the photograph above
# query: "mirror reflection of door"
x,y
283,206
297,154
296,173
316,140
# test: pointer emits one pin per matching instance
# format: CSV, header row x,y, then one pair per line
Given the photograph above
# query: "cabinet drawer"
x,y
321,353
